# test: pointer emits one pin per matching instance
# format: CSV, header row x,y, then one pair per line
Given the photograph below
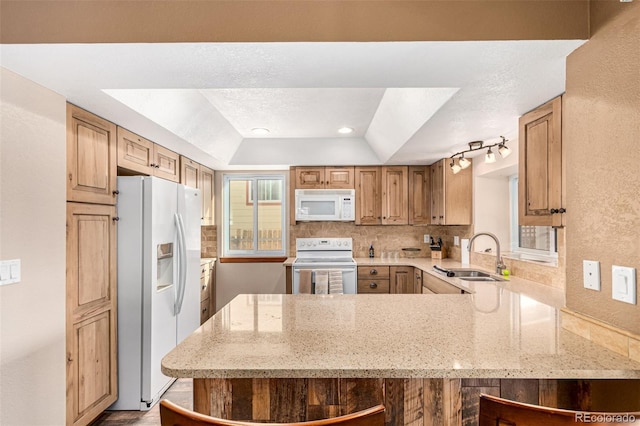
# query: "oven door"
x,y
349,278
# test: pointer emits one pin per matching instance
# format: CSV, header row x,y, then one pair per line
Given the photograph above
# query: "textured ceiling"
x,y
408,102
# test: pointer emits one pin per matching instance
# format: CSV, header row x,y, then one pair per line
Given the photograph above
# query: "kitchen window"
x,y
530,242
254,229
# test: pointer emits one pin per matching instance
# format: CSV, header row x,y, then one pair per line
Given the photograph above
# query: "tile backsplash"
x,y
209,241
387,237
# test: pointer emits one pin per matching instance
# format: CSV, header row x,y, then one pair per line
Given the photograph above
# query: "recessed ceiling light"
x,y
260,131
345,130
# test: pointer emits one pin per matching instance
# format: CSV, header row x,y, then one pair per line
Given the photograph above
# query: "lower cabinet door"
x,y
91,311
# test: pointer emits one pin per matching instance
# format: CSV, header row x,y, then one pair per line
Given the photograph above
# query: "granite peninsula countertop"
x,y
492,333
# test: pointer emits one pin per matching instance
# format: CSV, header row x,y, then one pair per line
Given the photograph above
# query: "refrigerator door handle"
x,y
182,258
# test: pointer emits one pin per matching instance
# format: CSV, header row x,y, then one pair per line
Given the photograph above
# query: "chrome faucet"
x,y
500,266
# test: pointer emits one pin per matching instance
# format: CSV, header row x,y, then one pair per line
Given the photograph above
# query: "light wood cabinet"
x,y
373,279
451,195
382,195
90,311
438,286
206,188
402,280
540,175
419,195
395,195
140,155
189,172
91,158
324,177
205,291
166,163
368,195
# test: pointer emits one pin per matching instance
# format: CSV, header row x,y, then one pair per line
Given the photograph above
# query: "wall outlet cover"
x,y
427,238
591,274
623,284
456,241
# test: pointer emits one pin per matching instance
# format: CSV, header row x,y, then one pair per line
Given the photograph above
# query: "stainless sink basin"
x,y
473,275
458,273
480,279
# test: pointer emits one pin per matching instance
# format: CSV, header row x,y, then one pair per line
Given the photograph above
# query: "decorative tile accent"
x,y
610,339
605,335
634,349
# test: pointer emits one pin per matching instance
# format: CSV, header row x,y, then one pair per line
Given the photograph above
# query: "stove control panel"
x,y
324,244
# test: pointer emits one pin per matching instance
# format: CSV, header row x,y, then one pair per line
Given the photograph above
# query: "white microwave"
x,y
325,204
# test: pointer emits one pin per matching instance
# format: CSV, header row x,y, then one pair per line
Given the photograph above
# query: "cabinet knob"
x,y
373,285
116,192
373,272
115,219
554,211
152,164
562,210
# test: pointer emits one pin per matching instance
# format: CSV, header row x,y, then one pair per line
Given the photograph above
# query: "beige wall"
x,y
81,21
601,133
32,229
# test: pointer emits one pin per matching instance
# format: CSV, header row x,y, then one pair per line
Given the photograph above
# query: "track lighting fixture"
x,y
490,156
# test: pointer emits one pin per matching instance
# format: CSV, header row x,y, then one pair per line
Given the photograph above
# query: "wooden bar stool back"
x,y
174,415
496,411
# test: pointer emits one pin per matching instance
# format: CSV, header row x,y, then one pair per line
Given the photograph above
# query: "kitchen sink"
x,y
480,279
459,273
471,275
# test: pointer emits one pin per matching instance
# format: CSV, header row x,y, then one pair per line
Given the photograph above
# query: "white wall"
x,y
491,198
33,229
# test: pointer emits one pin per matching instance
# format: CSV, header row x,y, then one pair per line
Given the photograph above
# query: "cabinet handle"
x,y
152,164
157,166
562,210
553,211
116,192
373,272
115,219
373,285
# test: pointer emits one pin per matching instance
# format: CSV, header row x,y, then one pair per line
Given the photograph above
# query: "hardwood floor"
x,y
180,392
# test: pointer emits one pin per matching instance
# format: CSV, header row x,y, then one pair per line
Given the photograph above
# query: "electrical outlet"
x,y
427,238
456,241
591,274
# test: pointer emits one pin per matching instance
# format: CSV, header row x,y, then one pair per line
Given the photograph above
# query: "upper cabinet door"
x,y
540,192
395,195
419,195
368,197
91,158
437,193
206,186
339,177
134,152
189,172
309,177
166,163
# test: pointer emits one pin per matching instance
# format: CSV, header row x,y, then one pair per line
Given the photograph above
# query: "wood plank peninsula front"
x,y
426,357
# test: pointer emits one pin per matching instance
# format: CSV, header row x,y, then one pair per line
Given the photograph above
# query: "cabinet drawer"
x,y
204,311
204,288
377,272
373,286
438,286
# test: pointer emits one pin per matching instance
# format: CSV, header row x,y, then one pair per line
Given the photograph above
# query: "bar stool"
x,y
174,415
496,411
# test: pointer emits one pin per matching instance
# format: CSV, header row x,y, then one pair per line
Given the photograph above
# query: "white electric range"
x,y
326,254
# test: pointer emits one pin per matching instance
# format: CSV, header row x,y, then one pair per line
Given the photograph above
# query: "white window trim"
x,y
226,232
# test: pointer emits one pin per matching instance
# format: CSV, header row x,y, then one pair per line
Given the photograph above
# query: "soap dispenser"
x,y
371,252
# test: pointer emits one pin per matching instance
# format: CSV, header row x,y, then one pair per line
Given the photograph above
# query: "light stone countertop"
x,y
492,333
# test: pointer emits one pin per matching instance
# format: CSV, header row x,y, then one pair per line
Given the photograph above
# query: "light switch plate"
x,y
427,238
456,241
591,274
9,271
623,284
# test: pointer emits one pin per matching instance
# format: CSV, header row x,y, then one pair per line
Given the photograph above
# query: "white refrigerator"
x,y
158,282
